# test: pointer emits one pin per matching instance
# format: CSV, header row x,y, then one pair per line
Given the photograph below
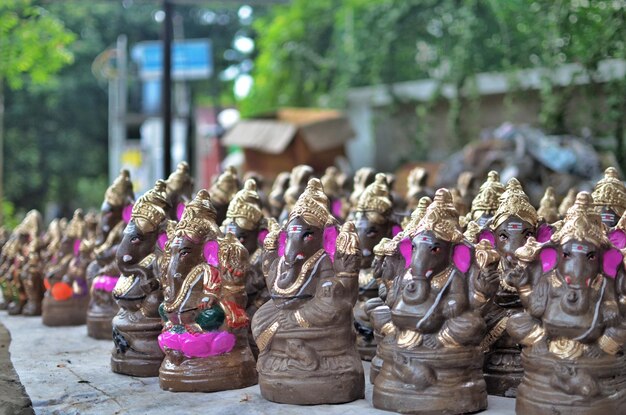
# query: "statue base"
x,y
69,312
15,308
427,381
581,386
305,368
503,372
32,308
100,326
137,336
233,370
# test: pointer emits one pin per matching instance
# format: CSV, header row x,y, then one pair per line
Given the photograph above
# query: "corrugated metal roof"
x,y
264,135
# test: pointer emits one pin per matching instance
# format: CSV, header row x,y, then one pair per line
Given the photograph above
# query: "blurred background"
x,y
532,88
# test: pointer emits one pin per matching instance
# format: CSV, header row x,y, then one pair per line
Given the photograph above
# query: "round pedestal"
x,y
15,308
99,326
64,313
32,308
234,370
136,351
503,371
583,386
425,381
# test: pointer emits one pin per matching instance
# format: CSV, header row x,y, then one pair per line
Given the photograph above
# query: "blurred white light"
x,y
243,85
244,44
245,12
208,17
159,16
229,73
228,117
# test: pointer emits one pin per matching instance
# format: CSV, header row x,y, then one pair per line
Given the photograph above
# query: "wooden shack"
x,y
289,137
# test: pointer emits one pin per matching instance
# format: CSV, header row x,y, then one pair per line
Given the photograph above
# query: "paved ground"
x,y
66,372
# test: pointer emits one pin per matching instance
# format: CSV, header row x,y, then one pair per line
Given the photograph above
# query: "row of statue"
x,y
447,297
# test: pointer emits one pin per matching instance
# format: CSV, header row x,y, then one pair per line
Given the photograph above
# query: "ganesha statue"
x,y
179,188
486,202
298,180
67,297
431,352
32,280
223,190
373,218
137,292
571,328
205,333
245,220
305,333
103,273
276,198
609,197
514,222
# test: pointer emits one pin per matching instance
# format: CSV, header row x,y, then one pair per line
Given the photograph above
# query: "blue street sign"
x,y
191,59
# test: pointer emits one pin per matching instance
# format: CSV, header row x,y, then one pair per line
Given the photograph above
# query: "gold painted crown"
x,y
198,220
488,198
547,207
232,254
299,176
610,192
514,202
567,202
312,206
30,225
362,177
120,193
330,181
245,208
149,211
180,181
441,218
76,228
379,248
472,231
417,214
582,223
375,201
225,187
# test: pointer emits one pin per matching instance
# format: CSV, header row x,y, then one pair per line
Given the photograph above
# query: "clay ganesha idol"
x,y
205,324
305,332
571,327
103,273
138,291
66,299
433,353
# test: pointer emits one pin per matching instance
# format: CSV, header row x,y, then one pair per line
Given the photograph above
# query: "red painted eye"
x,y
435,250
568,280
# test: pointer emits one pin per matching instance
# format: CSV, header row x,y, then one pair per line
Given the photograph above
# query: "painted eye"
x,y
184,253
566,255
135,240
435,249
528,234
591,256
503,237
371,232
307,236
568,280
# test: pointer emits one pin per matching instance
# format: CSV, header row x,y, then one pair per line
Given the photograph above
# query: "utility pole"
x,y
117,108
166,88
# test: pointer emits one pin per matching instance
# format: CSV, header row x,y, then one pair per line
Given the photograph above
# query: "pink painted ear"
x,y
330,240
162,240
282,242
77,247
179,210
211,250
548,258
488,236
262,234
395,229
406,249
611,260
618,238
462,257
336,208
544,233
126,213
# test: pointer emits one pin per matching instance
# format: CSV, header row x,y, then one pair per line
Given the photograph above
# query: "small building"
x,y
289,137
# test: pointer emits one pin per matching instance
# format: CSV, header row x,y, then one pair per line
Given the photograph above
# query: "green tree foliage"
x,y
311,52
